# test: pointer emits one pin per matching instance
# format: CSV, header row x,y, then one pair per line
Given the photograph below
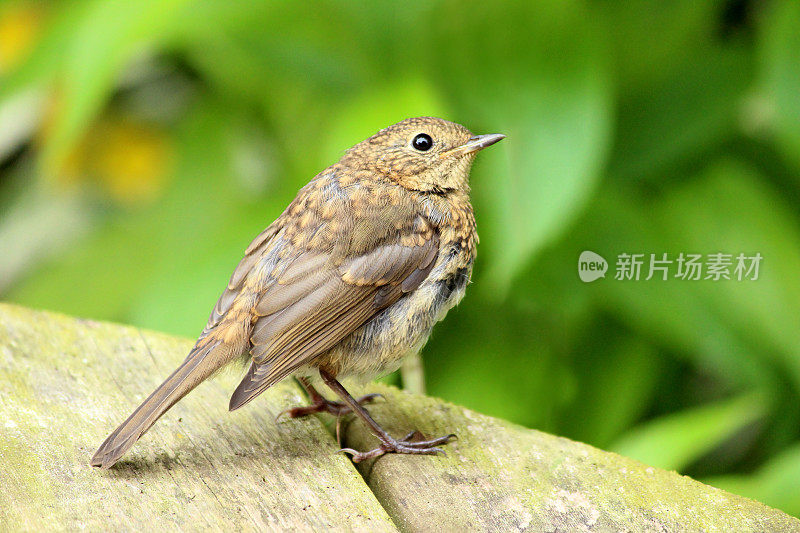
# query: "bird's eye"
x,y
422,142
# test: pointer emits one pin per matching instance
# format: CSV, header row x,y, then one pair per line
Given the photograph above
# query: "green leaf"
x,y
669,312
500,361
617,382
683,116
739,213
652,39
779,45
674,441
109,35
739,328
774,484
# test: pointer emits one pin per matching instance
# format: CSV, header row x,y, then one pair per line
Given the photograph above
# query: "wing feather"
x,y
284,294
301,319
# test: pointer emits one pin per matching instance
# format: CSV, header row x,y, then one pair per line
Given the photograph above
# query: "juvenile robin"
x,y
348,281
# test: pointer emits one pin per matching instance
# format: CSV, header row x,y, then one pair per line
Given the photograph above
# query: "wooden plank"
x,y
502,477
66,383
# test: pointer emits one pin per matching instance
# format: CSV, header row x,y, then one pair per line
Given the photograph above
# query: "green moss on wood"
x,y
66,383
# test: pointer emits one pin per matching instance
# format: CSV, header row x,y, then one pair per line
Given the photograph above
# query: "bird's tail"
x,y
206,357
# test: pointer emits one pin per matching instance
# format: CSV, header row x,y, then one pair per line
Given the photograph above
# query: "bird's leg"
x,y
388,443
320,404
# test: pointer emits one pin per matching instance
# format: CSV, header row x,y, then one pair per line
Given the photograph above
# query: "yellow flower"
x,y
20,25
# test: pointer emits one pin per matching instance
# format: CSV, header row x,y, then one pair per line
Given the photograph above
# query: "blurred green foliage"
x,y
143,144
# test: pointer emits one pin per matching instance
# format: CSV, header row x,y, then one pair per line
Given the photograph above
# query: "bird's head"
x,y
422,154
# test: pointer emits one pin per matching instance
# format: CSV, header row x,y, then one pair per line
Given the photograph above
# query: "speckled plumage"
x,y
348,280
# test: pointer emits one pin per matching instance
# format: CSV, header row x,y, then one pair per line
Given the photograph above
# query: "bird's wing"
x,y
318,299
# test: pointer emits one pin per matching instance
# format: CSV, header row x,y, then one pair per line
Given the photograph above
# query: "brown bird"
x,y
348,281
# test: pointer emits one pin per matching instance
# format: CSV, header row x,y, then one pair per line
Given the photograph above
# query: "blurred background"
x,y
144,144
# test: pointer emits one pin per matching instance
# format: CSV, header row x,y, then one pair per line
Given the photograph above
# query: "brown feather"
x,y
314,314
203,360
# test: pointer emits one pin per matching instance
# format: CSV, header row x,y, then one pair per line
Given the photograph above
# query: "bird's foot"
x,y
322,405
408,444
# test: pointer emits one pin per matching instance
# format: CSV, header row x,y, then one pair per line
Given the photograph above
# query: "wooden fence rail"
x,y
65,383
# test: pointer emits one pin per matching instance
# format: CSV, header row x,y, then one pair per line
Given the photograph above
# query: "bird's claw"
x,y
337,409
403,446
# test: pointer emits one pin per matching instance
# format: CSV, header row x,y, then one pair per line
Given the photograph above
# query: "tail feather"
x,y
202,361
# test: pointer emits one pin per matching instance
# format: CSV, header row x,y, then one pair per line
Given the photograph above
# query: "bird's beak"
x,y
479,142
